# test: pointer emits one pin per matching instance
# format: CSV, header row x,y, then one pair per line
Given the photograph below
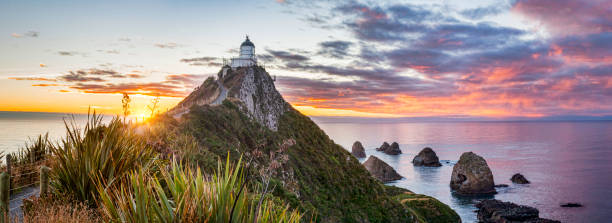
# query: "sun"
x,y
143,117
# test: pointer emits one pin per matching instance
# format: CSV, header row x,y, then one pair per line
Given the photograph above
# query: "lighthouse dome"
x,y
247,42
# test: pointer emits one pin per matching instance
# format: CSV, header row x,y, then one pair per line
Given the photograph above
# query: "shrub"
x,y
99,153
183,195
49,209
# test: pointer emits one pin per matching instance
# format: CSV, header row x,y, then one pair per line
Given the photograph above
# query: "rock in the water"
x,y
519,179
501,185
383,147
496,211
571,205
358,150
381,170
427,157
392,149
472,176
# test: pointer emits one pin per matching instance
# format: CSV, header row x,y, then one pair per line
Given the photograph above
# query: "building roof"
x,y
247,42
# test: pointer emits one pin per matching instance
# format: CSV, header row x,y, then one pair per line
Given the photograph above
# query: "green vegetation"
x,y
189,197
424,208
109,173
319,177
98,154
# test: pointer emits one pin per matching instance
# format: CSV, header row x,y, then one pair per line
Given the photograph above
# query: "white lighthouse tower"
x,y
247,55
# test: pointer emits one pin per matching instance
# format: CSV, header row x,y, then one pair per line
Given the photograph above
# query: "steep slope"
x,y
318,175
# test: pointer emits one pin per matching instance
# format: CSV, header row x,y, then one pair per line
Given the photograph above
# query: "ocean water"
x,y
16,128
565,161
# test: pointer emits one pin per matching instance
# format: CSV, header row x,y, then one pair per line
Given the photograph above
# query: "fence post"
x,y
4,197
44,180
8,169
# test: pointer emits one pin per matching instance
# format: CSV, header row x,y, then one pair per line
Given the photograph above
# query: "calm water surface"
x,y
17,127
565,161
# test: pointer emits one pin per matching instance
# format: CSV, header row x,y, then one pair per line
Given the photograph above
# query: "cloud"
x,y
423,60
31,34
568,17
288,56
481,12
336,49
187,80
79,76
175,85
166,45
202,61
135,75
71,53
45,85
32,79
149,89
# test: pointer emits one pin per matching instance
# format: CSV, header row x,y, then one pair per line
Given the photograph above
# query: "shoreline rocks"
x,y
496,211
427,157
519,179
381,170
358,150
392,149
571,205
472,176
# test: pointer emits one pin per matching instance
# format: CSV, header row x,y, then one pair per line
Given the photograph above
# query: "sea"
x,y
565,161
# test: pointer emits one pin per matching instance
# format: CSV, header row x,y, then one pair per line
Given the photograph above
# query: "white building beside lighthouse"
x,y
247,55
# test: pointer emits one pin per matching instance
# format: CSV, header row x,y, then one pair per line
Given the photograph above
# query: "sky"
x,y
393,59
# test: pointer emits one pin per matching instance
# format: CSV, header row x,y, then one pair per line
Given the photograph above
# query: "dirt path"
x,y
17,200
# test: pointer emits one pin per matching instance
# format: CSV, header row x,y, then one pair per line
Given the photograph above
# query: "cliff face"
x,y
259,95
318,177
252,86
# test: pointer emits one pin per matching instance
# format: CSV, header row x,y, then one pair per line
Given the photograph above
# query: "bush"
x,y
97,154
42,210
183,195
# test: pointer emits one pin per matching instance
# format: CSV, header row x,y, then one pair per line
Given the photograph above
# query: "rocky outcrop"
x,y
259,95
519,179
471,176
427,157
496,211
381,170
252,86
392,149
358,150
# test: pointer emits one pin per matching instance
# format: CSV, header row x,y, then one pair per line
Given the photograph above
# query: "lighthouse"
x,y
247,55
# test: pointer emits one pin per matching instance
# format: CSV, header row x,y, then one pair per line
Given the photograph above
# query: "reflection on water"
x,y
565,161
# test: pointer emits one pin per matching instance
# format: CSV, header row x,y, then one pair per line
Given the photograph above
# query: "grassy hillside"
x,y
318,176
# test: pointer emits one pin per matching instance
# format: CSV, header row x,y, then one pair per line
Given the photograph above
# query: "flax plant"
x,y
98,153
181,194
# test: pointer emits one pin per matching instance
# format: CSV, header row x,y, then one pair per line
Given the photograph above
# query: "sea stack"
x,y
519,179
427,157
472,176
496,211
358,150
381,170
392,149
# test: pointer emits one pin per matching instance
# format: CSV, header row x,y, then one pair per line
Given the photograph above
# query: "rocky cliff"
x,y
252,86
